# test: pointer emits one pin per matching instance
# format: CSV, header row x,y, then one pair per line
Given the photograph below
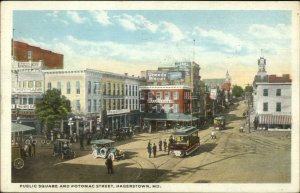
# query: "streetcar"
x,y
184,141
219,123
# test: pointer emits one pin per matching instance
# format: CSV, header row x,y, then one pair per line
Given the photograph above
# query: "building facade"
x,y
271,100
165,106
28,63
92,91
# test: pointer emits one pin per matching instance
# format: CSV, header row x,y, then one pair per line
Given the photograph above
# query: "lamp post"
x,y
71,122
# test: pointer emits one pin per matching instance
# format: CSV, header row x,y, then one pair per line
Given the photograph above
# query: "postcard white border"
x,y
6,28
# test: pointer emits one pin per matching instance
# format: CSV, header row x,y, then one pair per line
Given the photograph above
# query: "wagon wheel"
x,y
43,141
19,163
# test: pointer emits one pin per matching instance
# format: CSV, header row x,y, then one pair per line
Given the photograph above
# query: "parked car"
x,y
62,149
103,148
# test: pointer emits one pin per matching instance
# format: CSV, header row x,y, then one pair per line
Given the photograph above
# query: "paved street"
x,y
232,157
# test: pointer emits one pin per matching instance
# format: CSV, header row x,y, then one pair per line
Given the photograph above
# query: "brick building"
x,y
24,52
166,106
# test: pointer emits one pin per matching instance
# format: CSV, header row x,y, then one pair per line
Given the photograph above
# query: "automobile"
x,y
62,149
219,123
18,153
103,148
137,128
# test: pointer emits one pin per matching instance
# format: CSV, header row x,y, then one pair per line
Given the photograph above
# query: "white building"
x,y
91,91
27,86
271,100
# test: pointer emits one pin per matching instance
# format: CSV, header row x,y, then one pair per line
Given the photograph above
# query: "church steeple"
x,y
227,77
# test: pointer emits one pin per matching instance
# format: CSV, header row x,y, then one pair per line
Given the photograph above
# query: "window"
x,y
77,87
167,108
126,104
30,84
68,88
108,88
265,92
30,101
96,87
265,106
142,95
89,105
89,87
114,89
175,95
158,107
151,95
158,95
278,92
175,108
143,107
24,101
59,86
29,55
126,90
129,104
167,95
129,90
122,91
278,107
49,85
136,104
136,91
78,105
95,105
38,84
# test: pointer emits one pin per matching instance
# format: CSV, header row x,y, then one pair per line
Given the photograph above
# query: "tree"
x,y
249,88
237,91
52,107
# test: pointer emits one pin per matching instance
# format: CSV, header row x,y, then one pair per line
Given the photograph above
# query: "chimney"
x,y
126,74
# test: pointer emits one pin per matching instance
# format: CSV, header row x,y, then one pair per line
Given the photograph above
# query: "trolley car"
x,y
185,141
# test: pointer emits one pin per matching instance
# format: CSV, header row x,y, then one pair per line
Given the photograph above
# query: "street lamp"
x,y
71,122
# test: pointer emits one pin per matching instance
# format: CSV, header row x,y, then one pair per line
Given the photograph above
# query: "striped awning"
x,y
275,119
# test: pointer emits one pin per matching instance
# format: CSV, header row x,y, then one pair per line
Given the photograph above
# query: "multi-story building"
x,y
166,106
183,73
92,91
27,78
271,100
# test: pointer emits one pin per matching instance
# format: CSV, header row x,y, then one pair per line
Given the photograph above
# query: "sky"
x,y
129,41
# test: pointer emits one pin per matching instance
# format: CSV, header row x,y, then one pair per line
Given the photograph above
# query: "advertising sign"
x,y
183,66
213,94
171,76
164,75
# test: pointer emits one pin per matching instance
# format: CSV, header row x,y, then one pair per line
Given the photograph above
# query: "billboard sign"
x,y
213,94
164,75
183,66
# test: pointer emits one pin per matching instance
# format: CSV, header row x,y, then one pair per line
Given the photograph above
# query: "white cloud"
x,y
219,37
56,18
74,16
134,23
280,31
172,30
101,17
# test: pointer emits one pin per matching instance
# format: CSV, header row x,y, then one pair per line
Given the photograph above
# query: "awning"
x,y
169,117
19,127
275,119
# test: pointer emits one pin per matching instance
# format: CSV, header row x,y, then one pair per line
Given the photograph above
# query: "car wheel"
x,y
19,163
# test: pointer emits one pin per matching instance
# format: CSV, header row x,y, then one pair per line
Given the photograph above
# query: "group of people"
x,y
162,146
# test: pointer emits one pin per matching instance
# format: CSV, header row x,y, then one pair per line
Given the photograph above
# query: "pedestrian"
x,y
149,148
160,145
213,134
89,138
33,149
109,165
169,148
165,145
58,135
52,135
81,137
154,150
